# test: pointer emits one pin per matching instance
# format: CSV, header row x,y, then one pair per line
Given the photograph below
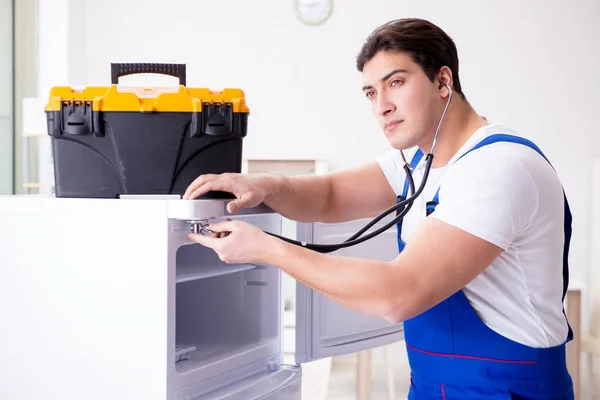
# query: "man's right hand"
x,y
250,190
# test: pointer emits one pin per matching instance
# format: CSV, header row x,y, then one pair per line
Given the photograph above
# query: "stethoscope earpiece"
x,y
447,86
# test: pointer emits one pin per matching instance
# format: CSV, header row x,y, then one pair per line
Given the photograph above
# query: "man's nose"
x,y
384,106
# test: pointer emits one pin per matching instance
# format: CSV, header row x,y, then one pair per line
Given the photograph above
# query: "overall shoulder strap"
x,y
567,211
501,137
413,164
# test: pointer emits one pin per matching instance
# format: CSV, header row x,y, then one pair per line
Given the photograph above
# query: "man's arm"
x,y
489,199
438,261
341,196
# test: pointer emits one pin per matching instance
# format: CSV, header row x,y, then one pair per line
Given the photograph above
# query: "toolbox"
x,y
117,140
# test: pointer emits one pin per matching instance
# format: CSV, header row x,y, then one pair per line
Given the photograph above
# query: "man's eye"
x,y
396,82
369,94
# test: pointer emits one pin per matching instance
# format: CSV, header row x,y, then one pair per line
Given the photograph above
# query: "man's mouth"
x,y
390,126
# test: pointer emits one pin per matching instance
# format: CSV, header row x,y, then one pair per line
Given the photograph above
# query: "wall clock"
x,y
313,12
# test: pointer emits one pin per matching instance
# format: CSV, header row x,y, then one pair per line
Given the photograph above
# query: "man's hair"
x,y
428,45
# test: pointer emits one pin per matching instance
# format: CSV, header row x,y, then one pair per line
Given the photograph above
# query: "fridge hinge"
x,y
272,366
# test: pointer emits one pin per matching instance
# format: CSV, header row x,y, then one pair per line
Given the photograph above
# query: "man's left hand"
x,y
236,242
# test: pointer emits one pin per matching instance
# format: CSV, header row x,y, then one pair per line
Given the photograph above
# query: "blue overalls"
x,y
454,355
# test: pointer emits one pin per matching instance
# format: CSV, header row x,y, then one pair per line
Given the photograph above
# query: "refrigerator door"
x,y
325,328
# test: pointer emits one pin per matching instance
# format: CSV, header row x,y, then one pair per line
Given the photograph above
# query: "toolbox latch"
x,y
76,118
216,119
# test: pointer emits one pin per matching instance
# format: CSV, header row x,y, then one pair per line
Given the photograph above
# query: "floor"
x,y
341,383
343,376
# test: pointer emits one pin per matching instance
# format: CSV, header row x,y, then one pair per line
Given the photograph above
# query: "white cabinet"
x,y
107,299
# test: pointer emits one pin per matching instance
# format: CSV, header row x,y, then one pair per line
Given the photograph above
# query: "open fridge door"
x,y
325,328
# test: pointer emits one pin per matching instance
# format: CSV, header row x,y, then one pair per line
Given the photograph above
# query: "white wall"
x,y
530,64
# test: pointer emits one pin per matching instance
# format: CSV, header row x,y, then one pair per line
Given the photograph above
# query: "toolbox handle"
x,y
121,69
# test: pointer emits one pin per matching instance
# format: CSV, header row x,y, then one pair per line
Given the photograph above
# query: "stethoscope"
x,y
401,207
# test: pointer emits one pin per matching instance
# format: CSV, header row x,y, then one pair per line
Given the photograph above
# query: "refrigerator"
x,y
108,299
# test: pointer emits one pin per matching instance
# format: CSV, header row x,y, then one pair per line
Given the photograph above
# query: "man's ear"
x,y
445,78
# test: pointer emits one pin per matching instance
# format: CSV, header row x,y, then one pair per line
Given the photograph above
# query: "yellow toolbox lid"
x,y
113,98
143,99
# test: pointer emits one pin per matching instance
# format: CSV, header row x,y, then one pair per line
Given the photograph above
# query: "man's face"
x,y
404,101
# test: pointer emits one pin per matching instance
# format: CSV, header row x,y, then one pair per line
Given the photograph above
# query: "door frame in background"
x,y
7,110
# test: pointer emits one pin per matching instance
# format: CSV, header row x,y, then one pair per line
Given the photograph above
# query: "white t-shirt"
x,y
509,195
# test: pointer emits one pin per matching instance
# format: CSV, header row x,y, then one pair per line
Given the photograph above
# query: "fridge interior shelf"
x,y
195,261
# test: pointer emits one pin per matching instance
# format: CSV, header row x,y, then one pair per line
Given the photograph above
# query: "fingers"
x,y
222,234
216,184
223,227
204,240
241,202
199,181
206,183
223,182
220,230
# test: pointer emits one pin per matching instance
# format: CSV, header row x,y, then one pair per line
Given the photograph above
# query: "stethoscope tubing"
x,y
401,207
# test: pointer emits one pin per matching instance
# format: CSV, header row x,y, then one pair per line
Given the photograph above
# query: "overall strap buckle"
x,y
430,207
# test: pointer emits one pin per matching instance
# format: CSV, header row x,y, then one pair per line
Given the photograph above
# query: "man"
x,y
479,282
